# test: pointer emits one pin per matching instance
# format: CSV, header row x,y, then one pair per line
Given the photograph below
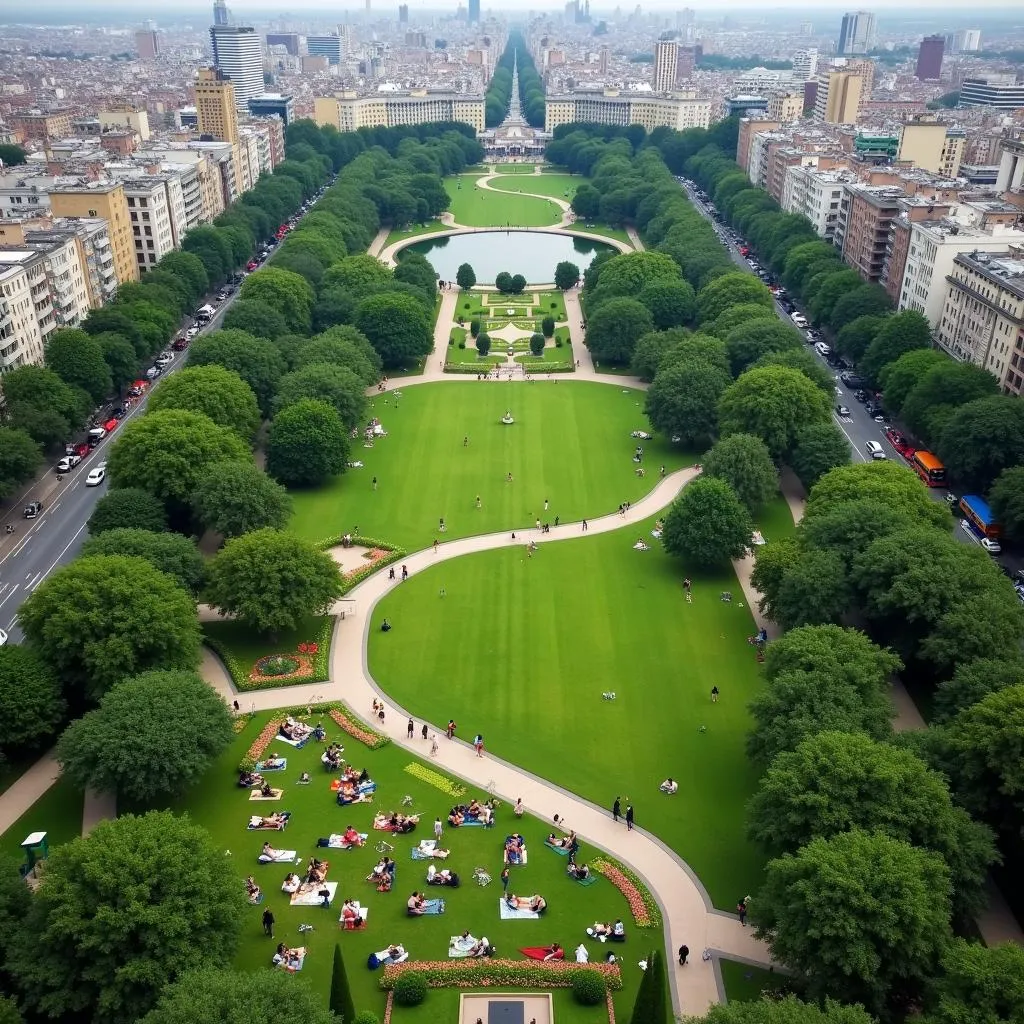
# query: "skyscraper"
x,y
238,55
147,42
857,34
474,11
215,105
220,12
929,59
805,63
666,61
403,14
331,46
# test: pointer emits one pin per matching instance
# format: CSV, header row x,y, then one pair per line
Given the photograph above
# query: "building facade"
x,y
273,104
929,59
611,106
666,65
348,111
839,96
857,33
1000,91
21,341
238,55
104,199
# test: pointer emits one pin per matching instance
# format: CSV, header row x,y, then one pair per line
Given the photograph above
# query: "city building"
x,y
105,199
331,46
746,106
982,318
92,237
273,104
474,12
816,194
21,341
41,126
805,64
238,54
786,106
220,12
1010,177
147,44
1003,92
749,129
217,115
64,265
839,96
857,33
932,146
125,116
24,194
403,14
967,40
612,106
348,111
686,63
666,65
33,263
289,40
866,213
929,59
150,213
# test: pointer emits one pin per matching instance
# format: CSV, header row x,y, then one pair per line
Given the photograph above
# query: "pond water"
x,y
534,254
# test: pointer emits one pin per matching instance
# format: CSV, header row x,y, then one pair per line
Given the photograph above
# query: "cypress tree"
x,y
651,1006
341,994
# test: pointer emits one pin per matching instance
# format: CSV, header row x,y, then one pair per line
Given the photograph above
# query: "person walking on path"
x,y
268,922
629,818
374,481
438,829
714,694
433,745
585,526
435,547
423,731
405,573
478,744
616,809
450,731
684,952
504,879
741,910
410,729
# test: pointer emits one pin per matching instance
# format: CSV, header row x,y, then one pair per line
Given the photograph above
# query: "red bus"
x,y
929,469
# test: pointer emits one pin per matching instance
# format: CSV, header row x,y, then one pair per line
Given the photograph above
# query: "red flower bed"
x,y
634,897
364,734
259,745
502,973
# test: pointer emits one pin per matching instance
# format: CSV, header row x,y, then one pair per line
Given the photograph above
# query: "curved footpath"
x,y
688,913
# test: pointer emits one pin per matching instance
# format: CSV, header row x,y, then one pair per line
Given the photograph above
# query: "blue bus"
x,y
979,515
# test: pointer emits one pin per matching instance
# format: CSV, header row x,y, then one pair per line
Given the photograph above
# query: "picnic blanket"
x,y
279,857
257,794
382,823
312,897
369,786
477,822
459,947
261,766
540,953
361,798
297,744
562,851
335,841
384,957
427,850
363,912
430,907
522,857
256,823
292,966
591,879
515,913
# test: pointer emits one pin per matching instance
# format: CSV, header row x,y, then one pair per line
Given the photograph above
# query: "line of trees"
x,y
531,86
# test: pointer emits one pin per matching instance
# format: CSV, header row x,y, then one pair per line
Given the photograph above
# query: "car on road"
x,y
32,510
96,476
799,319
3,638
190,334
841,410
993,547
874,449
252,265
861,396
900,443
67,463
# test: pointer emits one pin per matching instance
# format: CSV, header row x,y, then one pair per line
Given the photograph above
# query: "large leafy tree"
x,y
151,737
628,274
743,462
169,552
213,391
982,438
707,524
974,680
255,317
901,333
898,379
672,303
567,275
128,508
834,781
861,916
683,400
121,912
651,350
121,358
801,587
819,447
232,498
103,618
747,343
287,292
308,444
339,386
20,457
731,290
397,326
1007,499
360,273
189,269
788,1010
342,345
42,405
739,316
31,705
257,997
988,623
931,403
615,327
257,361
271,580
774,404
77,358
978,985
853,338
465,276
165,452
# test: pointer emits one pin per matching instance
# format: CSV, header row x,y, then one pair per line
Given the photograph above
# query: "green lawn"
x,y
399,234
220,806
514,168
601,229
744,983
525,647
545,308
559,186
243,647
58,813
443,1004
477,207
552,354
571,445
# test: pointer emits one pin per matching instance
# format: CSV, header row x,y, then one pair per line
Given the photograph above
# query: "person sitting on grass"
x,y
291,883
482,947
415,905
267,853
669,786
350,916
249,780
456,817
252,890
285,957
350,837
274,762
578,871
316,871
265,791
554,952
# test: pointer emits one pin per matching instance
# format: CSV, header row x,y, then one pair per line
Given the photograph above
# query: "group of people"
x,y
578,871
669,786
351,915
250,780
383,874
567,842
515,848
537,904
467,946
603,932
331,758
276,820
290,959
395,822
252,890
299,732
460,814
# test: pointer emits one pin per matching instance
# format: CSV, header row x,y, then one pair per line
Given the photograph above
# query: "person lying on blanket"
x,y
316,870
442,877
348,794
275,820
273,761
535,903
268,852
351,837
604,931
285,957
578,871
415,904
514,848
401,822
291,883
350,916
292,730
249,780
564,842
554,952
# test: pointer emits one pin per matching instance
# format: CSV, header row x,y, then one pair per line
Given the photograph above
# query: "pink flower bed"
x,y
370,561
259,745
634,897
368,736
499,973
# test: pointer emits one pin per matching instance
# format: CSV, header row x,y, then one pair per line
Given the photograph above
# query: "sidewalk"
x,y
25,791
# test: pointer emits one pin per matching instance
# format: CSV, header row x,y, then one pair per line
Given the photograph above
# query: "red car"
x,y
252,265
744,250
900,443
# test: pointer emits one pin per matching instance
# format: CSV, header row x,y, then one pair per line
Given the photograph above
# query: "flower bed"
x,y
435,779
258,747
641,903
490,973
343,717
383,554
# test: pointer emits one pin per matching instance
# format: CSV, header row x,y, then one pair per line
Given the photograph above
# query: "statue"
x,y
507,418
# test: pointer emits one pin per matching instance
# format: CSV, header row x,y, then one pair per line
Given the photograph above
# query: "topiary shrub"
x,y
462,344
558,343
366,1017
588,988
410,989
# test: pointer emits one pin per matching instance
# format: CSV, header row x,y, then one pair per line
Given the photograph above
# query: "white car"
x,y
874,449
3,638
799,319
993,547
96,476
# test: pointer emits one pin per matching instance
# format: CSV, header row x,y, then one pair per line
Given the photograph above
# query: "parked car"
x,y
96,476
32,510
993,547
80,448
861,396
841,410
180,344
799,319
822,349
874,449
252,265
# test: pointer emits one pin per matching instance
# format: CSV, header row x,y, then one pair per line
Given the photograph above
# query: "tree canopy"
x,y
232,498
307,444
215,392
743,462
707,525
683,400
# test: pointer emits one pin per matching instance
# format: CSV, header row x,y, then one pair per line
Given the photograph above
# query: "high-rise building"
x,y
603,60
220,12
805,64
966,40
839,96
1000,91
685,64
403,14
666,62
289,40
147,43
330,46
216,105
238,54
273,104
474,11
857,34
929,59
347,42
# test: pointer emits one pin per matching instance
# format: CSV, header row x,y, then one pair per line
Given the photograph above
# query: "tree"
x,y
483,343
899,378
271,580
943,389
465,276
853,338
979,984
567,275
213,391
78,360
988,622
100,952
343,346
255,317
537,344
121,358
12,155
774,404
308,444
189,269
683,400
751,341
847,654
20,457
397,326
983,438
338,386
862,917
165,452
128,507
835,781
151,738
801,587
858,303
359,273
974,680
744,463
615,327
517,284
257,361
788,1010
31,706
651,1006
232,498
42,405
651,350
503,282
213,249
707,524
259,997
901,332
547,326
627,274
803,360
106,617
169,552
1007,499
341,995
739,316
733,289
672,303
818,448
700,347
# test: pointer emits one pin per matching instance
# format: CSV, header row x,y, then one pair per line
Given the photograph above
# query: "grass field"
x,y
526,646
478,207
559,186
397,235
744,983
571,445
58,813
514,168
220,806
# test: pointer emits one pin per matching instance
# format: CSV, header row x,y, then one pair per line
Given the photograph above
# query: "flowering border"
x,y
642,904
385,554
342,716
435,779
500,973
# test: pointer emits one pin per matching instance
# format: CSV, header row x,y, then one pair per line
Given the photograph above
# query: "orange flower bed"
x,y
258,747
304,671
365,735
370,560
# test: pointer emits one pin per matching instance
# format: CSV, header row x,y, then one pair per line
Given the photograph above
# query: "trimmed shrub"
x,y
410,989
341,995
588,988
366,1017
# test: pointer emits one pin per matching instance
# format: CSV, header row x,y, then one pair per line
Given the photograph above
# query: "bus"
x,y
929,469
976,511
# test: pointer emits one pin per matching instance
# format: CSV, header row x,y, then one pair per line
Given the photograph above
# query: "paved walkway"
x,y
25,791
97,807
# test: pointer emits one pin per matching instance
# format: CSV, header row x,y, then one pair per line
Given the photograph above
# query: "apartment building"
x,y
41,126
1009,178
816,193
221,185
839,96
104,199
348,111
25,194
65,271
126,116
33,263
92,236
932,146
1003,92
666,63
982,318
612,106
749,129
21,341
866,213
786,106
